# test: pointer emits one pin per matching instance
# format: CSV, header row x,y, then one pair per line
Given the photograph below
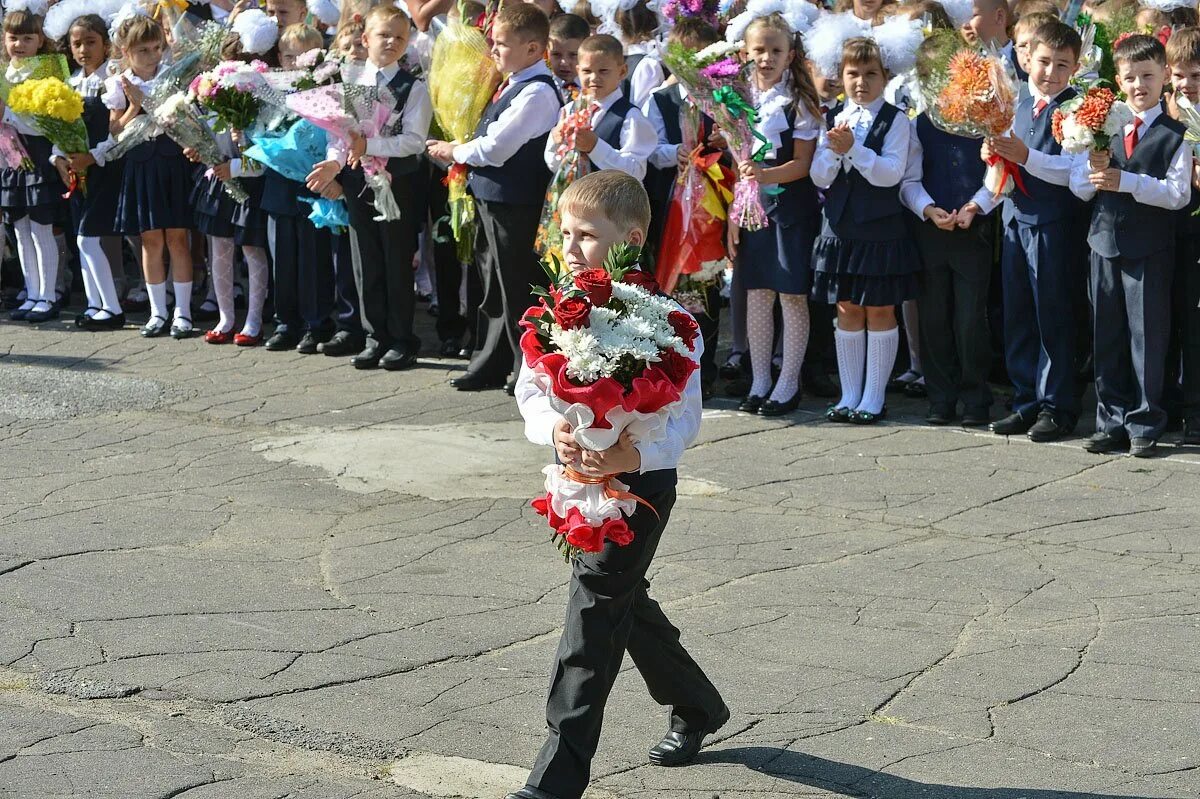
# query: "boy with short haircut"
x,y
382,251
1139,188
567,32
1183,356
608,610
1023,31
1041,258
989,24
508,179
620,137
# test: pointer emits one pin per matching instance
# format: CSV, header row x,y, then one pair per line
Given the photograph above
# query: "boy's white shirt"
x,y
638,141
913,195
1171,193
665,155
416,114
890,167
665,453
532,113
647,76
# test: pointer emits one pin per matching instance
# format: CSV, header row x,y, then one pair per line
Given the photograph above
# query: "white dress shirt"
x,y
638,141
772,106
532,113
888,168
664,453
1172,192
416,115
648,75
913,195
665,154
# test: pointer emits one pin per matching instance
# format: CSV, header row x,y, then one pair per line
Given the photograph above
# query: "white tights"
x,y
221,275
760,333
97,278
39,262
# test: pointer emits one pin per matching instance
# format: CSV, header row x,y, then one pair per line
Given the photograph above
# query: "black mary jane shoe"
x,y
155,327
751,404
114,322
182,328
36,317
774,408
866,417
81,319
19,314
837,414
679,748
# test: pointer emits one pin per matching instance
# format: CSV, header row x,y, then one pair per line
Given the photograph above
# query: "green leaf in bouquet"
x,y
622,258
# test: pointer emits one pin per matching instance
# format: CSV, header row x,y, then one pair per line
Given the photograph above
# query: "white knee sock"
x,y
183,299
97,276
257,266
220,280
881,356
63,271
47,259
795,342
29,265
760,335
158,299
851,354
89,289
911,321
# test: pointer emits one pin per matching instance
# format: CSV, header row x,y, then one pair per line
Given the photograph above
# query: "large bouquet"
x,y
341,109
54,110
1090,121
462,78
571,165
171,83
178,118
970,92
717,82
613,358
36,67
293,154
227,91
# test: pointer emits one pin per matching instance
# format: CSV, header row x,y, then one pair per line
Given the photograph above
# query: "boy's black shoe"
x,y
282,341
1048,427
975,417
530,793
678,748
940,416
474,382
1103,443
368,358
342,344
1191,433
1143,447
396,361
1012,425
449,348
308,343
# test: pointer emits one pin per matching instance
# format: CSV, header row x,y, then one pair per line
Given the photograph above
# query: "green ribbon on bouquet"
x,y
737,107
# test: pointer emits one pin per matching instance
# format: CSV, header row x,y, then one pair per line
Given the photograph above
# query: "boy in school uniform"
x,y
1139,188
508,180
620,137
609,611
1041,254
1183,359
989,24
567,32
382,251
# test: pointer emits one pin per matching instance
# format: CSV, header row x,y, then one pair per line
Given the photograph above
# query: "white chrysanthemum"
x,y
718,50
1119,115
1076,138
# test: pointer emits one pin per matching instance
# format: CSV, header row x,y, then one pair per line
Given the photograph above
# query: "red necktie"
x,y
500,90
1131,138
1039,108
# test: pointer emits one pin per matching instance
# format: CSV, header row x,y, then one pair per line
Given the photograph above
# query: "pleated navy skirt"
x,y
869,273
156,188
218,215
35,193
94,213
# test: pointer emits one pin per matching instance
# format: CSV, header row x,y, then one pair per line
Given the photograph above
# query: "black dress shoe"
x,y
342,344
114,322
475,382
529,793
368,358
866,417
155,327
773,408
1191,433
1012,425
397,361
819,384
1049,427
1143,447
678,748
449,348
18,315
45,315
751,404
308,343
940,416
835,414
282,341
510,387
975,417
1103,443
465,354
81,317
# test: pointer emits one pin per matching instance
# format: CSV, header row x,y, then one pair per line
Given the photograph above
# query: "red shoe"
x,y
219,337
243,340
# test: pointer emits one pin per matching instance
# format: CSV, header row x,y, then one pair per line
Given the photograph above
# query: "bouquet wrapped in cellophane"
x,y
227,91
178,118
55,111
171,82
13,154
971,92
718,83
571,165
341,109
613,358
462,78
35,67
293,154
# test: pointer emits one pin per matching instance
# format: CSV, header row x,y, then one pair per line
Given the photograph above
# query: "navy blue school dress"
x,y
779,257
865,253
217,214
157,179
35,193
94,214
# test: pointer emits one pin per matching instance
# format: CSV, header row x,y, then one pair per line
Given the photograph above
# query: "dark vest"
x,y
832,113
522,179
660,183
608,129
631,63
401,86
951,168
1123,227
787,203
95,119
1044,202
855,208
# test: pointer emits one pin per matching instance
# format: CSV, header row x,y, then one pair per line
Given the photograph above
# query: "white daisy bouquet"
x,y
1091,121
613,356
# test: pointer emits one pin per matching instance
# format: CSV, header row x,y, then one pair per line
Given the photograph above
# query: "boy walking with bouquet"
x,y
382,249
508,179
609,611
1139,187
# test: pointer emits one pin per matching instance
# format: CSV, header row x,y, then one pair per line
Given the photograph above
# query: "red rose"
x,y
678,368
572,312
636,277
684,326
583,535
617,531
596,283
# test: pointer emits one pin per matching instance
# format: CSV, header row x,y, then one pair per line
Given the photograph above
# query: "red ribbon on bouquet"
x,y
75,181
1008,169
609,491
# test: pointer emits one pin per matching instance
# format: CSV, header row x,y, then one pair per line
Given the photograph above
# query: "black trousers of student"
x,y
1132,298
346,316
508,266
821,355
709,321
956,353
303,277
447,270
383,257
609,613
1181,394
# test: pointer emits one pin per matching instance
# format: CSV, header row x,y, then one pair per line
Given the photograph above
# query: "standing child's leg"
x,y
156,283
27,255
259,274
46,253
181,275
883,339
220,278
760,335
98,273
851,343
795,342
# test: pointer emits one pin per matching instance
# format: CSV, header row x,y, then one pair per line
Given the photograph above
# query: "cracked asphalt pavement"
x,y
234,573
